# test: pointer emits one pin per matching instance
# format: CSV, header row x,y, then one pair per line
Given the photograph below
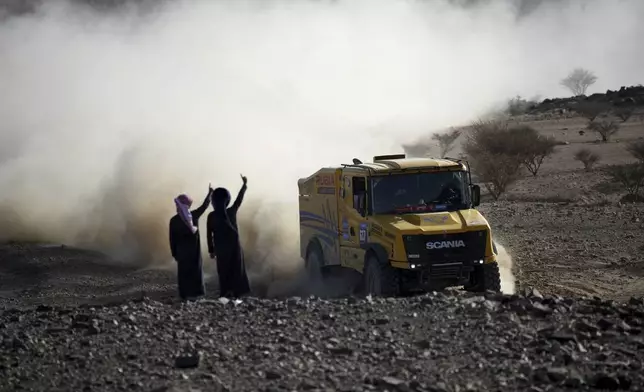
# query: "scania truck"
x,y
404,224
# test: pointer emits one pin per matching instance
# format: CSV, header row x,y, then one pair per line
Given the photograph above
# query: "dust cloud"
x,y
106,116
506,265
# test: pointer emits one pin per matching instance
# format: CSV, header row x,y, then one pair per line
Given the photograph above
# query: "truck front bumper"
x,y
439,274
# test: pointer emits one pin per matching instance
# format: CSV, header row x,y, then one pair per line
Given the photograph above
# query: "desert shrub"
x,y
623,113
636,149
587,157
605,128
497,172
446,140
517,105
578,81
532,147
493,160
631,176
590,110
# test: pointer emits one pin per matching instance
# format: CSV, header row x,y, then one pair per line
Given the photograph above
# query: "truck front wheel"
x,y
485,277
380,278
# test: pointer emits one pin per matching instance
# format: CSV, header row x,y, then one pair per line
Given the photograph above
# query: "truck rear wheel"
x,y
485,277
380,278
314,263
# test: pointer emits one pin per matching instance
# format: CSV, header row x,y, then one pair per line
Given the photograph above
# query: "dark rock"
x,y
574,379
586,327
187,361
423,344
557,374
382,320
636,301
272,375
43,308
605,381
390,381
605,324
540,309
625,381
341,351
563,336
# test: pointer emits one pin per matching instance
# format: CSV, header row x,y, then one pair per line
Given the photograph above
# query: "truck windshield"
x,y
420,192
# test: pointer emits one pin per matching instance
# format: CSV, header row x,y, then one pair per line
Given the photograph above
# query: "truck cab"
x,y
404,224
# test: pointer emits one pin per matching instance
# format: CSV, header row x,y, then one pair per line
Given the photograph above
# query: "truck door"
x,y
353,224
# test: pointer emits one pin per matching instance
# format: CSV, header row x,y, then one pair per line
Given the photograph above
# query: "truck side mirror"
x,y
476,195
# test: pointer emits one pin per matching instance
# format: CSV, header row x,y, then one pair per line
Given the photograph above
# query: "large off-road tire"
x,y
380,278
486,277
314,263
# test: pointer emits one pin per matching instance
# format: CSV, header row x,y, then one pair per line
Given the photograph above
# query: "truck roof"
x,y
389,165
410,163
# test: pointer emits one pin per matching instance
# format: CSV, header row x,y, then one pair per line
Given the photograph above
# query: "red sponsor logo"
x,y
324,180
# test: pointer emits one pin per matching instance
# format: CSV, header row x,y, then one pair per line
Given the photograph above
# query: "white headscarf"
x,y
183,203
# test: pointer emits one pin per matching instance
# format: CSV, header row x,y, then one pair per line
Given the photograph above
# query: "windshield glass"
x,y
420,192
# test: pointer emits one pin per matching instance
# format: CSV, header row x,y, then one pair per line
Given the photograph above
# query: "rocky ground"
x,y
573,249
435,342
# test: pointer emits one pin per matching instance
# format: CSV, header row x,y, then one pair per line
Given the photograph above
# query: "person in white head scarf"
x,y
185,246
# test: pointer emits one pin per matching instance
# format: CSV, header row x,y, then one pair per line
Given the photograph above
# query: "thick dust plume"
x,y
106,116
506,266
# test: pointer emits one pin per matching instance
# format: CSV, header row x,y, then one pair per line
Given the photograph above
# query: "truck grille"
x,y
446,248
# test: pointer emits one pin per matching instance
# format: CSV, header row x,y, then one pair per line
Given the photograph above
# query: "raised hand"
x,y
244,179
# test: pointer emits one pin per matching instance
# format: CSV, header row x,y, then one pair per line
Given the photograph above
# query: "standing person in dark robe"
x,y
224,244
186,247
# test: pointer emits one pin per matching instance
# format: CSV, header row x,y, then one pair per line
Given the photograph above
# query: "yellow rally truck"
x,y
405,224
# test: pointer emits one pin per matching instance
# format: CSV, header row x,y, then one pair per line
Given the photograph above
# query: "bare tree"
x,y
605,128
587,157
636,149
446,140
492,159
542,148
531,147
498,172
578,81
623,113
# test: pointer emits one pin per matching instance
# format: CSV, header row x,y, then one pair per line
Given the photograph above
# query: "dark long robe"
x,y
186,250
223,242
